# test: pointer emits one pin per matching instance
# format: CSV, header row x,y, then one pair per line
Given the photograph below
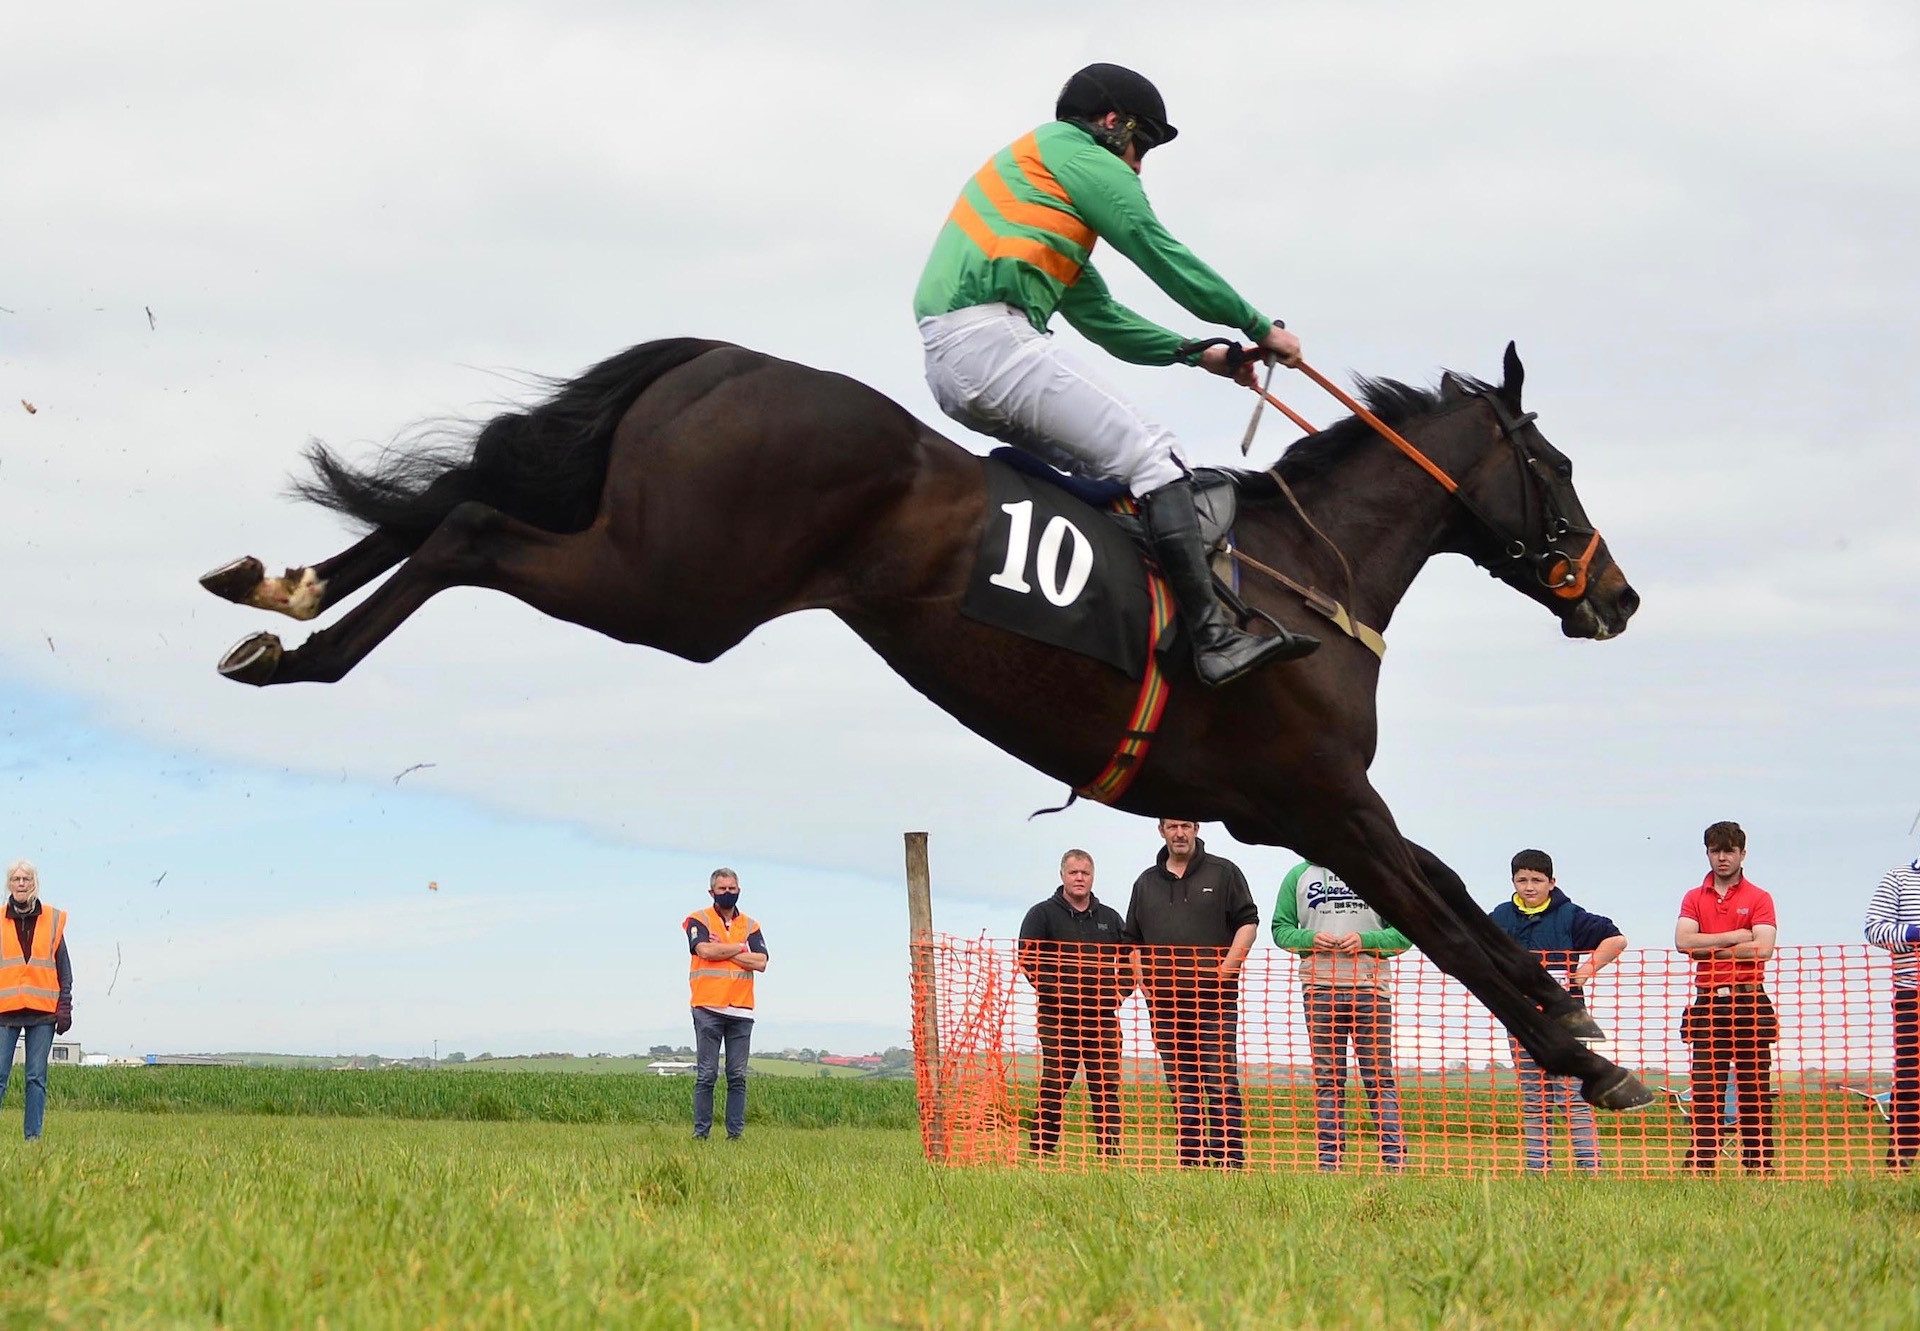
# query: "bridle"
x,y
1552,563
1558,570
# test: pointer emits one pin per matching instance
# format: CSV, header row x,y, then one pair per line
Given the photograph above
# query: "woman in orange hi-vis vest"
x,y
725,951
36,986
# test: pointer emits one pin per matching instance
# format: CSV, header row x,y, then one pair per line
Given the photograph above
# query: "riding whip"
x,y
1259,405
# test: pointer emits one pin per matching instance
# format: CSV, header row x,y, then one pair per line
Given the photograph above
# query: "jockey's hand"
x,y
1284,346
1214,361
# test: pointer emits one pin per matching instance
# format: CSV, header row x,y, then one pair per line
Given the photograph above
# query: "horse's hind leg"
x,y
583,577
463,551
304,592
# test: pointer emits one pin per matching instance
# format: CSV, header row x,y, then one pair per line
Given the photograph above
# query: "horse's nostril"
x,y
1629,601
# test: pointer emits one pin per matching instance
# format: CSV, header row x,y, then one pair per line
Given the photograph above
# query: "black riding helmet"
x,y
1098,89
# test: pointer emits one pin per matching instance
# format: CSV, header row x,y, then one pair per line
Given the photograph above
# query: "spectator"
x,y
1070,954
1343,946
1542,918
1893,922
727,950
1727,926
1195,920
36,987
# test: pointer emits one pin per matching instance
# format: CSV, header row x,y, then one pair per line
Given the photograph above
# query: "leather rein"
x,y
1561,572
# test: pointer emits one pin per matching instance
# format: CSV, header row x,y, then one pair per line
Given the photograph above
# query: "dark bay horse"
x,y
685,492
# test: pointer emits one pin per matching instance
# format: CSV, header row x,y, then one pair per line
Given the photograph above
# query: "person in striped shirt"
x,y
1893,922
1014,250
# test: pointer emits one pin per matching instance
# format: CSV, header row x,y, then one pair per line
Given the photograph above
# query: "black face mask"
x,y
726,900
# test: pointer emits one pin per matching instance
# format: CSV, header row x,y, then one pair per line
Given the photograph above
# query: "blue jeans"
x,y
1335,1017
710,1030
1541,1094
39,1045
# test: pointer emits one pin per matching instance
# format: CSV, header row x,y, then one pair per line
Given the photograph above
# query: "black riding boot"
x,y
1220,651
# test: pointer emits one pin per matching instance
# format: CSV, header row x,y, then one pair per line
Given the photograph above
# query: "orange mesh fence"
x,y
1064,1055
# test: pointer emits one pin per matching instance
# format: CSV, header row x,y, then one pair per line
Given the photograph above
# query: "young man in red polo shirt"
x,y
1727,926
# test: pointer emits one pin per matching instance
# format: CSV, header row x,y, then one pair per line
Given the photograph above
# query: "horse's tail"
x,y
546,465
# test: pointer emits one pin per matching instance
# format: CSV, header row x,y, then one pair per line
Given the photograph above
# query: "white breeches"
x,y
989,368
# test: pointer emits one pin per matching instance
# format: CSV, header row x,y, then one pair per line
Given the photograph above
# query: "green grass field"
x,y
191,1218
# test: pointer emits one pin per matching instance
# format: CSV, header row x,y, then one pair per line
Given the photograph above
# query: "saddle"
x,y
1216,498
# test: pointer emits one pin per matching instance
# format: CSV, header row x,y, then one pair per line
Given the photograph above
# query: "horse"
x,y
684,492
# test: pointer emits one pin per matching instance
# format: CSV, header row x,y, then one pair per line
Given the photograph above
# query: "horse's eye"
x,y
1565,470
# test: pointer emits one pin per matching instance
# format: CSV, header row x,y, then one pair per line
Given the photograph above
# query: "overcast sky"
x,y
1695,220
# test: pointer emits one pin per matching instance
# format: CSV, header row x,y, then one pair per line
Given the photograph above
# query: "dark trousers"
x,y
1732,1036
1903,1107
1337,1017
1075,1040
1196,1029
711,1030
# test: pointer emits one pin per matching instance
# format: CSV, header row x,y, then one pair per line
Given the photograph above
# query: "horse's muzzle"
x,y
1604,611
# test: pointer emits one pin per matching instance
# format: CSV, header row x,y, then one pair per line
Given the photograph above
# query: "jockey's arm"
x,y
1090,307
1109,198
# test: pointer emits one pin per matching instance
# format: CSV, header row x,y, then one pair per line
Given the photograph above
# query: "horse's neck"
x,y
1386,515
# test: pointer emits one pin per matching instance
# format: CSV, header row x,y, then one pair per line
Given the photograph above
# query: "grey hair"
x,y
32,872
1076,854
713,879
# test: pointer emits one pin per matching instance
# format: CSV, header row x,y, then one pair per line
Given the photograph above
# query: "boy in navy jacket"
x,y
1577,944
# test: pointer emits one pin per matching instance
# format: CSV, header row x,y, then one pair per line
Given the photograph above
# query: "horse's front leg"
x,y
1519,964
1364,847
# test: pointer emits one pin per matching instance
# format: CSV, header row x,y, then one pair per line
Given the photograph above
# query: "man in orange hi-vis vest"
x,y
36,986
725,950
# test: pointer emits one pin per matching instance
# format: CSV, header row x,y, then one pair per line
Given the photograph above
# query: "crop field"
x,y
230,1201
597,1064
550,1097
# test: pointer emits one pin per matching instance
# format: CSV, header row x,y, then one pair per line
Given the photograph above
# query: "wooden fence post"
x,y
926,1033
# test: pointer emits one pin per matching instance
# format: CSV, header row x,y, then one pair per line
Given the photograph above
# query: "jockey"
x,y
1015,249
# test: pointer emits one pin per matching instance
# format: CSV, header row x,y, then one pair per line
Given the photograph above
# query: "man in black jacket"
x,y
1070,953
1194,919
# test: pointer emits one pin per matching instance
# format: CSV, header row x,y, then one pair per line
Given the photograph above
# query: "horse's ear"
x,y
1512,372
1451,389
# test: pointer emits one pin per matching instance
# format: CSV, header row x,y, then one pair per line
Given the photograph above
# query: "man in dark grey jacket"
x,y
1193,916
1070,953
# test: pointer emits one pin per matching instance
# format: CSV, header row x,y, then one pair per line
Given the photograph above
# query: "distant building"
x,y
851,1060
63,1051
192,1060
671,1067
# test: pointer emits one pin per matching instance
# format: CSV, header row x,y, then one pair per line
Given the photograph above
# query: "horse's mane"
x,y
1392,401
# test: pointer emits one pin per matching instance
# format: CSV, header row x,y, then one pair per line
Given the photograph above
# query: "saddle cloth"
x,y
1057,564
1053,568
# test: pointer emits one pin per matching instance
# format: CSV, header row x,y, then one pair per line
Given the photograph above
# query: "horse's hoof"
x,y
1617,1090
235,581
253,660
1579,1023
